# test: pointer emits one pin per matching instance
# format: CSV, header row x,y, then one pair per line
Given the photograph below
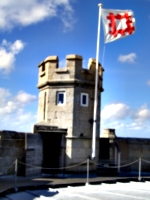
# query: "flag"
x,y
117,24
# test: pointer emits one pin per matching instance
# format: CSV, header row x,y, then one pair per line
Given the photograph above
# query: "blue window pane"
x,y
84,99
60,98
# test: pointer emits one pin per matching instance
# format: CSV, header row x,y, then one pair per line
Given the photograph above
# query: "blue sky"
x,y
32,30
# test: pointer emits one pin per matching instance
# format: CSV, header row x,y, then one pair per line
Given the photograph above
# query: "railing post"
x,y
87,180
119,162
139,178
16,168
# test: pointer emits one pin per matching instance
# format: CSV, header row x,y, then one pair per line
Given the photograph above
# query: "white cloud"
x,y
16,47
125,119
148,82
130,58
142,114
24,97
14,114
28,12
4,93
8,52
115,111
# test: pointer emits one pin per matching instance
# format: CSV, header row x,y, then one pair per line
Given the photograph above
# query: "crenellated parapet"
x,y
72,73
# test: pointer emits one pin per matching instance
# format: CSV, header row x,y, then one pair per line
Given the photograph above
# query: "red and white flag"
x,y
117,24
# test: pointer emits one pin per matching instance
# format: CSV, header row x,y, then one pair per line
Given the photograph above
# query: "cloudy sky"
x,y
32,30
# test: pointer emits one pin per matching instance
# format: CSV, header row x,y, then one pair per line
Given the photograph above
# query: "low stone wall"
x,y
78,150
34,154
132,149
11,148
26,148
126,151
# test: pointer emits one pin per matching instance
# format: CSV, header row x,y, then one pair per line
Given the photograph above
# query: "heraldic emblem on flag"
x,y
117,24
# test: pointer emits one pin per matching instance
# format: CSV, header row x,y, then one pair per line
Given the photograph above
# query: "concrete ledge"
x,y
61,70
73,57
66,82
51,58
41,182
48,59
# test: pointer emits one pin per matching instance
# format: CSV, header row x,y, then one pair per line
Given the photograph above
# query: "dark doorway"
x,y
51,151
104,148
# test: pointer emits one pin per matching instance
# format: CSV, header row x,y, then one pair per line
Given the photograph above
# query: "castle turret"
x,y
66,100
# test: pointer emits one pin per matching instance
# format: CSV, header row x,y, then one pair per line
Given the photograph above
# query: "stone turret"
x,y
66,100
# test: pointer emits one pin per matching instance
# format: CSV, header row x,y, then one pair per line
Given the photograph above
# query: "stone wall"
x,y
121,150
78,151
11,148
56,115
132,149
26,148
33,154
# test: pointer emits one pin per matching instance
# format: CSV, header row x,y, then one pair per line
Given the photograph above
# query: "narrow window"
x,y
60,98
43,67
84,100
42,70
44,108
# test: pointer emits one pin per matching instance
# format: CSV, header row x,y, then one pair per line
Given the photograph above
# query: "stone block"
x,y
32,172
4,151
7,142
80,153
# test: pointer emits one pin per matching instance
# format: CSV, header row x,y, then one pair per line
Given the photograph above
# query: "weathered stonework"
x,y
73,81
26,148
123,151
11,148
33,154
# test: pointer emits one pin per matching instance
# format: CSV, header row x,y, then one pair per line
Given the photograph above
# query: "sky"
x,y
32,30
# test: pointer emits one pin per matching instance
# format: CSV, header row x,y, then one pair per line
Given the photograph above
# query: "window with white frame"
x,y
84,99
61,98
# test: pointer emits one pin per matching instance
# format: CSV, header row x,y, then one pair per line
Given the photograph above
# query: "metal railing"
x,y
88,162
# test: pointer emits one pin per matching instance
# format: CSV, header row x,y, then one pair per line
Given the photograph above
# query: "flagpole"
x,y
96,85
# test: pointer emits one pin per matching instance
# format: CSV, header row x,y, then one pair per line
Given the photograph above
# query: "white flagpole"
x,y
96,85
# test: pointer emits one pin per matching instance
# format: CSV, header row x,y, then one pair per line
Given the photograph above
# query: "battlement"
x,y
50,73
